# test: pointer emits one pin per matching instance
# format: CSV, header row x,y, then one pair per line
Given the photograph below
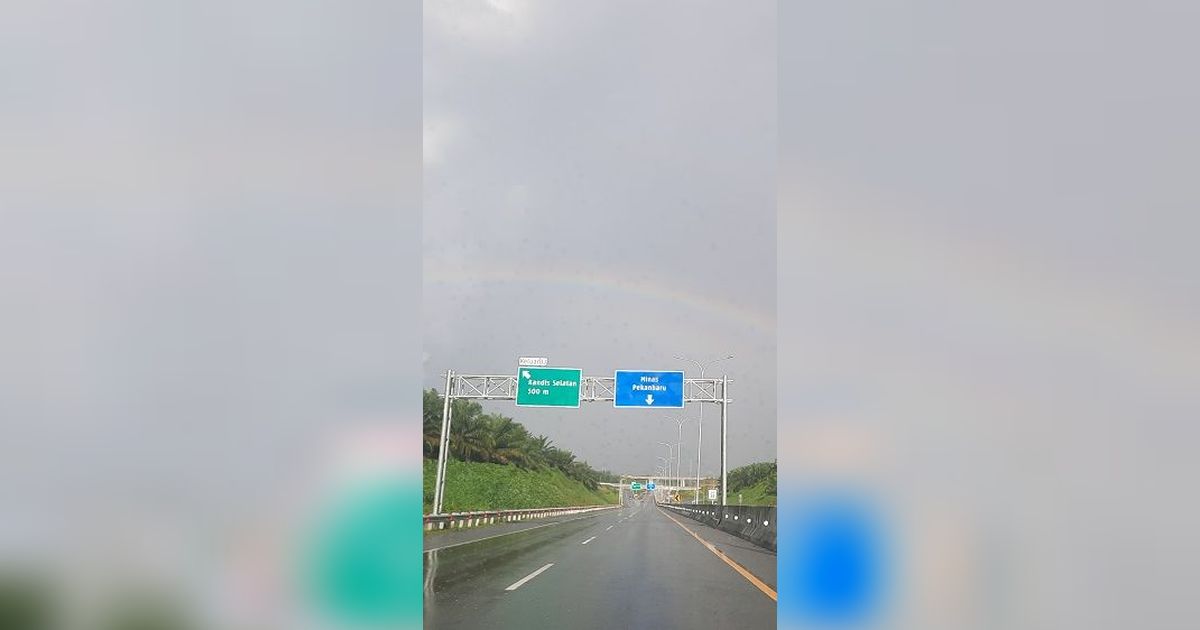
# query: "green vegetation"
x,y
753,495
26,601
485,486
756,483
495,462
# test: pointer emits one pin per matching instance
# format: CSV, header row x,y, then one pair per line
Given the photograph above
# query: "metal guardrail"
x,y
462,520
755,523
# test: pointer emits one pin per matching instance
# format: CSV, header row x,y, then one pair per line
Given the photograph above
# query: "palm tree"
x,y
431,415
560,459
509,442
465,409
583,473
469,438
479,437
467,435
539,450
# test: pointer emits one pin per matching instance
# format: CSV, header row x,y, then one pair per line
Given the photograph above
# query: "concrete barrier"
x,y
754,523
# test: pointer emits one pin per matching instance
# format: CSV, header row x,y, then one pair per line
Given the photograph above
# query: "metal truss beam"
x,y
591,389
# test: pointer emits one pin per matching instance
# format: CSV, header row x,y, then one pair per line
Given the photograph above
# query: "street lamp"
x,y
662,469
669,458
679,462
700,425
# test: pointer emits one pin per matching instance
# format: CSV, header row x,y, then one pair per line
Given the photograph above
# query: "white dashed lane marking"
x,y
516,585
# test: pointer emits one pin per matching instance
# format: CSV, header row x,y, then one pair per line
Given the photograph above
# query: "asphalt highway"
x,y
633,567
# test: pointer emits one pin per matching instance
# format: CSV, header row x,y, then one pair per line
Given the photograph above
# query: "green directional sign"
x,y
548,387
635,486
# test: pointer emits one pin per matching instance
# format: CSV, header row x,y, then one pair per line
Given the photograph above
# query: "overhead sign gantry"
x,y
534,386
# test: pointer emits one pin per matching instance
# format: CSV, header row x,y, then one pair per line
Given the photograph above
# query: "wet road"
x,y
629,568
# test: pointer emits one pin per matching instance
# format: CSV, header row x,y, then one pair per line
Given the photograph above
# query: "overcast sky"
x,y
600,190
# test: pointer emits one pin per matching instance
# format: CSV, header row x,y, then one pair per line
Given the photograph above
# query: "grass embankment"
x,y
472,486
753,484
753,495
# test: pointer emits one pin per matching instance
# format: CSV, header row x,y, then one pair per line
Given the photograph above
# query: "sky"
x,y
599,189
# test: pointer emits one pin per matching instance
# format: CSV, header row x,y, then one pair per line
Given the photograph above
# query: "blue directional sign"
x,y
648,390
650,486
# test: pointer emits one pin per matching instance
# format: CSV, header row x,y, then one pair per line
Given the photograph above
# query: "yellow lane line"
x,y
770,592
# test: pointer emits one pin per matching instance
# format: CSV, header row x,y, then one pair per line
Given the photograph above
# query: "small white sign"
x,y
712,494
533,362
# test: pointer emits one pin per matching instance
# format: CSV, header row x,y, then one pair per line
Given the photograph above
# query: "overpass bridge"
x,y
659,484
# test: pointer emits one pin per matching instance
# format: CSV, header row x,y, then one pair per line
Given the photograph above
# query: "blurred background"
x,y
209,340
989,292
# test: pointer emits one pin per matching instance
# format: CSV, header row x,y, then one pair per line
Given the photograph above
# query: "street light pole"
x,y
659,470
724,435
669,460
679,446
700,424
679,454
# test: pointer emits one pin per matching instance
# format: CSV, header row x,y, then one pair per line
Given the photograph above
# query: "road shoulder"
x,y
757,560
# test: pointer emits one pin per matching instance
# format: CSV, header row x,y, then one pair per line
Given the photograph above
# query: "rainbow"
x,y
760,320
